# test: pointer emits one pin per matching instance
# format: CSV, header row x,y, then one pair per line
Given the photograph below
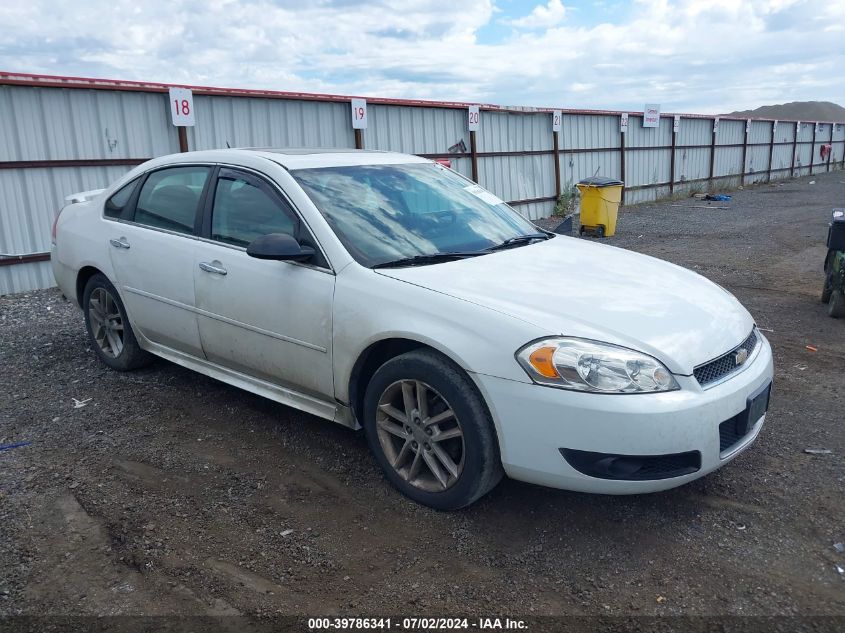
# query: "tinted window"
x,y
169,198
117,203
244,211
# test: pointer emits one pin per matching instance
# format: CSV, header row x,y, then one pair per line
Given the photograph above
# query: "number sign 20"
x,y
472,118
359,114
182,106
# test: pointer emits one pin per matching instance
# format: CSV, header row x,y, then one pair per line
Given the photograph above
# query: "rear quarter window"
x,y
115,205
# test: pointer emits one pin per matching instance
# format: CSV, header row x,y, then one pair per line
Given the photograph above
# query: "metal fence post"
x,y
713,151
359,139
556,157
771,152
813,147
182,131
744,152
473,149
794,149
672,158
622,160
830,154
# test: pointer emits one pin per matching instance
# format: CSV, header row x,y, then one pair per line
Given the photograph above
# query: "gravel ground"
x,y
162,491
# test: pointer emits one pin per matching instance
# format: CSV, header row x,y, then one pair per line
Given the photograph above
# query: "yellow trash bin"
x,y
600,198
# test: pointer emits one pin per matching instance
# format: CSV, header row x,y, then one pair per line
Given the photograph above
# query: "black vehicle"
x,y
834,266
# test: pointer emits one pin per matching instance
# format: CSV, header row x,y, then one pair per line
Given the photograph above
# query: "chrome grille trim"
x,y
725,365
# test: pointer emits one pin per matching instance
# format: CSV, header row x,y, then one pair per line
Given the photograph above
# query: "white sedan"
x,y
385,291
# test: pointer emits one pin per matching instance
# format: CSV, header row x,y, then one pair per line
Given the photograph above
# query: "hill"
x,y
797,110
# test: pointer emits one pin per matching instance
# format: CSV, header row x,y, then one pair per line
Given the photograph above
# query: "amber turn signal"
x,y
541,361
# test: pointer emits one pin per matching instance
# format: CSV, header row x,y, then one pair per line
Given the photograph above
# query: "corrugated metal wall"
x,y
58,140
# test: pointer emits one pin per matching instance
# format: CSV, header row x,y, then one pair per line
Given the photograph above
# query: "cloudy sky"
x,y
705,56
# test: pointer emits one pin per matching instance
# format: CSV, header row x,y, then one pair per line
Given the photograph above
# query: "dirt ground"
x,y
162,491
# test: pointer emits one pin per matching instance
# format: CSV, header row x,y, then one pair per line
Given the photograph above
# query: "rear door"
x,y
269,319
152,252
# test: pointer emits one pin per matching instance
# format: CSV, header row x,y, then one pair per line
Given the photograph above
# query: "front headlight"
x,y
584,365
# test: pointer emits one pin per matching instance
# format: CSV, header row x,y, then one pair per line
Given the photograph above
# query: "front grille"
x,y
725,364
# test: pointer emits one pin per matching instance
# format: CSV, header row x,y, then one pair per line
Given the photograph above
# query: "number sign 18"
x,y
182,107
359,114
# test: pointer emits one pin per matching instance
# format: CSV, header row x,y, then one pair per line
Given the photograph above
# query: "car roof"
x,y
309,158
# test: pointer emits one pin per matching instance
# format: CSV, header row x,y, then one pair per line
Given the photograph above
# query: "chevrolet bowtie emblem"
x,y
740,356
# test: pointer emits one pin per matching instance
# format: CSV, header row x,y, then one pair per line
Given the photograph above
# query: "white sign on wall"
x,y
182,107
359,114
774,127
651,115
747,126
556,121
623,122
473,118
676,124
715,125
818,127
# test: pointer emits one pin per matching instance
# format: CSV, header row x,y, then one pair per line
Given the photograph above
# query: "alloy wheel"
x,y
106,322
420,435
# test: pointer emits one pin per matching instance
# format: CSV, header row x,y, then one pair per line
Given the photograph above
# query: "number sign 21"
x,y
182,107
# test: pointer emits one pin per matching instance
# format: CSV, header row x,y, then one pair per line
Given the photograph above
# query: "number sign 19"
x,y
359,114
472,119
182,106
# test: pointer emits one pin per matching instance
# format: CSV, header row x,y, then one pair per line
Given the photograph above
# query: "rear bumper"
x,y
535,422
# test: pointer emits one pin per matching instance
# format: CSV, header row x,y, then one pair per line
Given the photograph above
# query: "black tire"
x,y
130,356
836,305
600,231
482,467
827,290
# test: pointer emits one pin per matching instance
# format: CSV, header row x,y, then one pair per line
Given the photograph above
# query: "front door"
x,y
269,319
153,257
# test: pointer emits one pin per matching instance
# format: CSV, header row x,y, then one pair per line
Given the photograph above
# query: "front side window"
x,y
243,210
383,213
117,203
170,197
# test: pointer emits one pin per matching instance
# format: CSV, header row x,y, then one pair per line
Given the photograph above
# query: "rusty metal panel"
x,y
757,163
645,167
761,132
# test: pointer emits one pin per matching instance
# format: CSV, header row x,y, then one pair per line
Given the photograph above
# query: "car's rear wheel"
x,y
828,288
109,330
430,431
836,305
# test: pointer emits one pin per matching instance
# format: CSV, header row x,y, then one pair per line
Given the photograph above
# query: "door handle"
x,y
213,267
121,243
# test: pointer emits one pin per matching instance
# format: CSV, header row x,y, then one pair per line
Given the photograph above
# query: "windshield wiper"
x,y
434,258
519,240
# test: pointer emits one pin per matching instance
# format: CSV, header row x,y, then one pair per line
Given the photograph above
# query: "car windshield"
x,y
385,213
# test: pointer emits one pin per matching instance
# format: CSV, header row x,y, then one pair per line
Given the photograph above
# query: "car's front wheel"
x,y
430,431
836,304
109,330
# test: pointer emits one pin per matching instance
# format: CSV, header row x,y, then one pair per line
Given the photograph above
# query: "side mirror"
x,y
279,246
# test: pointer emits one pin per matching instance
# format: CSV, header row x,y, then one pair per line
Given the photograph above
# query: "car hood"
x,y
579,288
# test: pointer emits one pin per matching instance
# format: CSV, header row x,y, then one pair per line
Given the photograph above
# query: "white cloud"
x,y
690,55
543,16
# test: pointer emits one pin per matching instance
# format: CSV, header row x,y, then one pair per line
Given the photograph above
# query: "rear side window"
x,y
117,203
169,198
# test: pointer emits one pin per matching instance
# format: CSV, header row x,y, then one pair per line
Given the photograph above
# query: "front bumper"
x,y
535,422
